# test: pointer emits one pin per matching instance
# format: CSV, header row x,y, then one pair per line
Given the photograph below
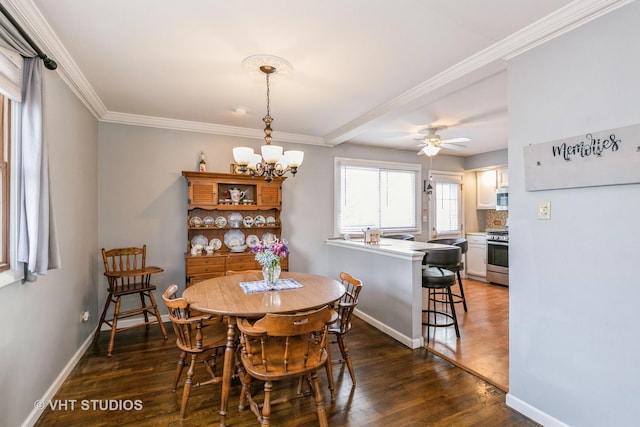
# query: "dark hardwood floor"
x,y
396,386
483,347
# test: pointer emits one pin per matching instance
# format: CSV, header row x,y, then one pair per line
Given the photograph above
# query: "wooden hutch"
x,y
209,209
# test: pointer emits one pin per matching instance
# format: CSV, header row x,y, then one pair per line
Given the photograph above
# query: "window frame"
x,y
14,273
5,182
339,162
11,69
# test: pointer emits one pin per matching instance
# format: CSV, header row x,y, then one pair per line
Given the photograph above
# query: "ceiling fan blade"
x,y
461,139
449,146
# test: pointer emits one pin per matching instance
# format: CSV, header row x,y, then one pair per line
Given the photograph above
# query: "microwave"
x,y
502,199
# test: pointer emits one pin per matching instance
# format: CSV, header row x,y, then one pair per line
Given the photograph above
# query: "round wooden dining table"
x,y
225,296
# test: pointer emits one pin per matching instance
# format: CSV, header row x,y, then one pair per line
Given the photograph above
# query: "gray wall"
x,y
485,160
143,194
41,328
574,289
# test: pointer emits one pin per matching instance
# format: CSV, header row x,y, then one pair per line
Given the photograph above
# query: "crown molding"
x,y
553,25
563,20
200,127
30,18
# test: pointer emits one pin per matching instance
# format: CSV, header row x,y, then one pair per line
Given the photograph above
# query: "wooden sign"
x,y
609,157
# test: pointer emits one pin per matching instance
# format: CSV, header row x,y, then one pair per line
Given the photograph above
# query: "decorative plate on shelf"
x,y
195,221
199,240
221,221
208,221
260,221
216,243
235,219
271,220
268,238
252,240
247,221
233,238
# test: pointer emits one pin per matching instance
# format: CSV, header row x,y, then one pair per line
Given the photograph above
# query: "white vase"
x,y
271,274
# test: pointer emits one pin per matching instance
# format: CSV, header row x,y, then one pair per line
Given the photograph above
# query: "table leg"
x,y
227,369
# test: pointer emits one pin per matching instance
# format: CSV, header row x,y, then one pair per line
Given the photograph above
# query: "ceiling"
x,y
370,72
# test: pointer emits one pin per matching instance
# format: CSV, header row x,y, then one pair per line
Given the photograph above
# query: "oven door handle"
x,y
497,243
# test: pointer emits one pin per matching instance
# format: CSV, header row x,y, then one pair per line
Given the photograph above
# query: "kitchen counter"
x,y
391,247
391,273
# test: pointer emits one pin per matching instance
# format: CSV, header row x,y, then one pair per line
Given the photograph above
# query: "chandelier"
x,y
273,162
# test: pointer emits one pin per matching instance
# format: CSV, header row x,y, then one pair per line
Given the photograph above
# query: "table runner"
x,y
262,286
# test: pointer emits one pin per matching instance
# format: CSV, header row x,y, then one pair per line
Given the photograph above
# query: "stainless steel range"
x,y
498,256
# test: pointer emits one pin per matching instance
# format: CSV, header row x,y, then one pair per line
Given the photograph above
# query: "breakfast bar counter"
x,y
391,273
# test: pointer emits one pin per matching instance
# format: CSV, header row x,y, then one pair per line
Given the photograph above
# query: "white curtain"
x,y
37,241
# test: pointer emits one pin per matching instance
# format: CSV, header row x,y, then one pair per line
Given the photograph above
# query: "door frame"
x,y
453,177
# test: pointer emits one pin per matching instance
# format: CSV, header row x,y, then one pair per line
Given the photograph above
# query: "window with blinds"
x,y
376,194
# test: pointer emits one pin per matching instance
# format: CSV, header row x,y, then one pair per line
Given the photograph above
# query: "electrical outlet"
x,y
544,210
84,316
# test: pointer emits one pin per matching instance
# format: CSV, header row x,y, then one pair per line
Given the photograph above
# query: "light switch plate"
x,y
544,210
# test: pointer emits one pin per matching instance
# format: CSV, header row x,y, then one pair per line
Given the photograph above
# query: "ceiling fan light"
x,y
431,150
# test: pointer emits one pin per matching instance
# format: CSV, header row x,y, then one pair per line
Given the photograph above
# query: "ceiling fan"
x,y
431,142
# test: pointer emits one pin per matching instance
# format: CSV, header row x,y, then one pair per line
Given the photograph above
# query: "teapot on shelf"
x,y
236,195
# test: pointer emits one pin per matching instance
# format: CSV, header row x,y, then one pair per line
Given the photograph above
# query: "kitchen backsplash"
x,y
496,219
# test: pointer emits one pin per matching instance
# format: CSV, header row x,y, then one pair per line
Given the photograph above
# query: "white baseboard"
x,y
62,376
53,388
408,341
532,412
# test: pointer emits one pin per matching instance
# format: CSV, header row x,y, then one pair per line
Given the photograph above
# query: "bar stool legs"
x,y
434,313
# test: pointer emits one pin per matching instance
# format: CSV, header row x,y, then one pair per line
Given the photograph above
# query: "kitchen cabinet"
x,y
476,263
486,189
502,177
224,208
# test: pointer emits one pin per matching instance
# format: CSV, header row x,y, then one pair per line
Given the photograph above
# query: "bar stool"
x,y
457,268
438,282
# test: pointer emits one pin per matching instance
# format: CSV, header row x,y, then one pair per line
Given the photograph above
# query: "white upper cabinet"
x,y
486,189
502,177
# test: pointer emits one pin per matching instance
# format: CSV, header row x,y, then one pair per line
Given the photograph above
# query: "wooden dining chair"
x,y
282,346
203,337
128,274
344,307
